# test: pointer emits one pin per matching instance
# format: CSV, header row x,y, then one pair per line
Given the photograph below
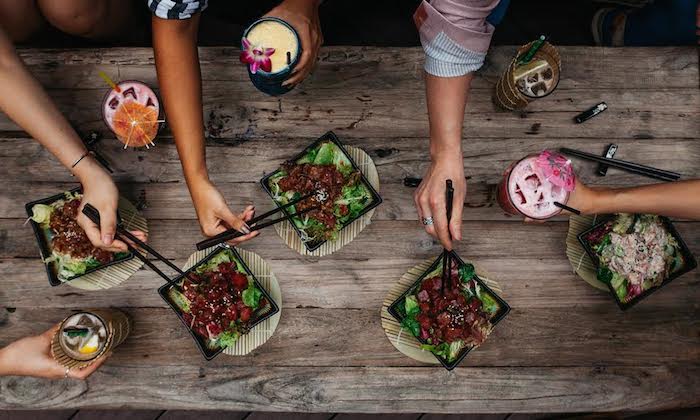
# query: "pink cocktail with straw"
x,y
131,110
533,185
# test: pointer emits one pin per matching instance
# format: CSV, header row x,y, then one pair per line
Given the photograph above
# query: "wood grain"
x,y
395,158
323,389
592,335
340,283
565,347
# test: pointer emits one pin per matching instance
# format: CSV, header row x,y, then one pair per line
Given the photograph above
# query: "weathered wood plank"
x,y
389,239
484,160
230,114
592,335
583,67
506,389
338,283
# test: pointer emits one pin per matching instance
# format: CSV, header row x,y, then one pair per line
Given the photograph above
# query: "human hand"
x,y
216,217
430,198
302,15
99,190
31,356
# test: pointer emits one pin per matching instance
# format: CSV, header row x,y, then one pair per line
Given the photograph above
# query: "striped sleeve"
x,y
176,9
455,35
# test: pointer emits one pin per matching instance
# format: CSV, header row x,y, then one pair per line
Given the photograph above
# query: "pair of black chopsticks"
x,y
233,233
447,255
632,167
126,236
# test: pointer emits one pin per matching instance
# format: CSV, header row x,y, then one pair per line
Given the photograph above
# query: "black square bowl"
x,y
329,136
502,312
44,242
689,260
258,316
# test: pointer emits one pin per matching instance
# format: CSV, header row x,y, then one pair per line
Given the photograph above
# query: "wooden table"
x,y
565,347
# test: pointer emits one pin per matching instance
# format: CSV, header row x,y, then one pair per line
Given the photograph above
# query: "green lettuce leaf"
x,y
227,338
325,154
411,306
309,157
41,214
466,272
442,350
412,325
341,162
605,275
213,264
179,299
489,303
251,296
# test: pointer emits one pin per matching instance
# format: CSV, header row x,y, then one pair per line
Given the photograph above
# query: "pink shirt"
x,y
454,34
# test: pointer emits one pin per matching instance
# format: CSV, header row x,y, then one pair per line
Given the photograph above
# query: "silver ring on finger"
x,y
67,372
427,221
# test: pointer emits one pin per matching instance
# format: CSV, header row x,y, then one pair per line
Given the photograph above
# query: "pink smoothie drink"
x,y
530,193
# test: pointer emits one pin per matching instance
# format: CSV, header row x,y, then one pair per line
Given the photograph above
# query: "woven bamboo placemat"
x,y
580,261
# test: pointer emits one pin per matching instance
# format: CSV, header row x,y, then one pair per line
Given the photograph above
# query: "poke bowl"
x,y
453,322
218,300
324,166
65,249
636,254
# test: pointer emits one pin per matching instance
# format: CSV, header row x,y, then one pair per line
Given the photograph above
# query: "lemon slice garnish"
x,y
91,346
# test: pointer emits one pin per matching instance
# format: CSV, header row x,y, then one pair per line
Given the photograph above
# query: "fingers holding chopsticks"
x,y
239,222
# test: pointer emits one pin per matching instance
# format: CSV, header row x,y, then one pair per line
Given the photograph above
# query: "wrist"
x,y
597,201
87,169
446,153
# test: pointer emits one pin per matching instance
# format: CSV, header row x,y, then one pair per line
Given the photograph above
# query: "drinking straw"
x,y
110,82
625,165
536,45
565,207
289,58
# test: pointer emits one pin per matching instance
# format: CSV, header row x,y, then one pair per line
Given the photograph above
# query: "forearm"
x,y
673,199
7,366
447,99
179,77
24,100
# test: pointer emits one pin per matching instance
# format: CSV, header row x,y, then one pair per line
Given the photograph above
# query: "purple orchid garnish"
x,y
256,57
557,169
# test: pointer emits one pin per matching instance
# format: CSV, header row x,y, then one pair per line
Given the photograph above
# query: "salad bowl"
x,y
635,255
62,266
324,165
219,300
453,321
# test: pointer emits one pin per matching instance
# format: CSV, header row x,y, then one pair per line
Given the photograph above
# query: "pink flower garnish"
x,y
256,57
557,169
